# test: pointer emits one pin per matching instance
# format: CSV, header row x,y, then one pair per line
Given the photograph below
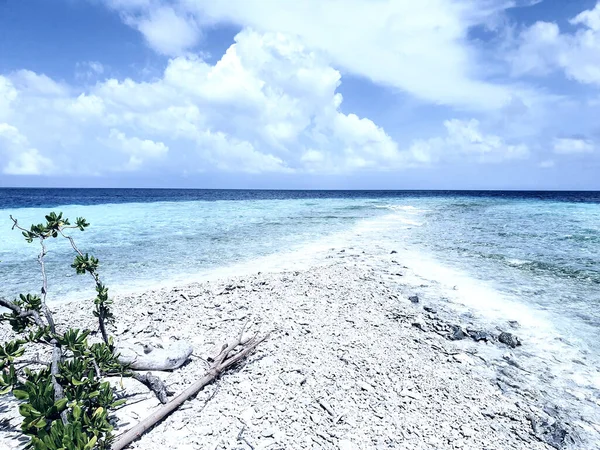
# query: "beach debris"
x,y
551,431
480,335
145,356
231,353
414,298
509,339
457,333
419,323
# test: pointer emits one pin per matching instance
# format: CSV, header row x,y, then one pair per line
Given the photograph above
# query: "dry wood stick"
x,y
221,362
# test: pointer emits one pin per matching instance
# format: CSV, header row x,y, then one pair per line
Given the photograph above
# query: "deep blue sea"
x,y
529,256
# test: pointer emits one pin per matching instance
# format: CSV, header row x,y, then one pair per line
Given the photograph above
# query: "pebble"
x,y
345,444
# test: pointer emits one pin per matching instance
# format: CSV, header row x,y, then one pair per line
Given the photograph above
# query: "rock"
x,y
148,357
393,252
267,432
414,298
247,415
479,335
364,386
346,444
551,431
418,322
513,324
457,333
509,339
466,431
411,394
430,309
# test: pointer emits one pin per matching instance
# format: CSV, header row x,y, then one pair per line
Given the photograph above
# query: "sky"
x,y
312,94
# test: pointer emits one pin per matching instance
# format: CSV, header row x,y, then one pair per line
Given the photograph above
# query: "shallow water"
x,y
531,257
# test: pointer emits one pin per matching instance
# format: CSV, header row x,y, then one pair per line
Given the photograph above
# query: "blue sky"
x,y
438,94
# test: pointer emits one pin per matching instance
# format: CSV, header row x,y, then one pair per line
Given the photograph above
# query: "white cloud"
x,y
266,103
167,31
270,104
572,145
464,139
543,48
139,150
17,155
39,84
419,47
8,94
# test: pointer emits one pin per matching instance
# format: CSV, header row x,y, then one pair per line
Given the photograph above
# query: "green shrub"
x,y
65,401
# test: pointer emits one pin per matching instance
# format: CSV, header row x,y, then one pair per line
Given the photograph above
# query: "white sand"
x,y
344,337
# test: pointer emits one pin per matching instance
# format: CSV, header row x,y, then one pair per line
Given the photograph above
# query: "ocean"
x,y
533,257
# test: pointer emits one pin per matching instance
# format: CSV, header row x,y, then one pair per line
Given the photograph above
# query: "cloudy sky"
x,y
399,94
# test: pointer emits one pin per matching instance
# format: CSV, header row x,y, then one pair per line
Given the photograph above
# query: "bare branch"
x,y
54,371
101,318
29,362
153,383
45,308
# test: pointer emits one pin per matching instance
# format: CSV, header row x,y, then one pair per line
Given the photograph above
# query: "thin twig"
x,y
101,318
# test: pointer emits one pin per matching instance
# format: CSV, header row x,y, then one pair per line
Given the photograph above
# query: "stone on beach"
x,y
509,339
348,366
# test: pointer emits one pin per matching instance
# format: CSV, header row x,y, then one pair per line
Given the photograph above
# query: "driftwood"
x,y
149,357
225,359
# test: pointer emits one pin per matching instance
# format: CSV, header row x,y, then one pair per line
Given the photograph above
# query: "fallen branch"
x,y
22,313
221,362
153,383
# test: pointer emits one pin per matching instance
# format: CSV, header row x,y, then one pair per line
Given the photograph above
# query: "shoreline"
x,y
345,333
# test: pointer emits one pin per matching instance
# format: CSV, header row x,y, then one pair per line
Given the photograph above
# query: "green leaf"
x,y
76,382
21,395
91,443
118,403
61,404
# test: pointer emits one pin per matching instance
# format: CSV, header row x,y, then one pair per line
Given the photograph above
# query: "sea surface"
x,y
533,257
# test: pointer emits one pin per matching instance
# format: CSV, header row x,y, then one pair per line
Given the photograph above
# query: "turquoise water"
x,y
544,252
531,257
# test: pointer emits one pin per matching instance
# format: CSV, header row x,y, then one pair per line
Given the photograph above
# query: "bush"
x,y
65,401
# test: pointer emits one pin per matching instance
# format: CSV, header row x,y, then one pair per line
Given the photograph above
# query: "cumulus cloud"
x,y
139,150
572,145
261,108
543,48
270,104
465,139
167,31
18,157
422,48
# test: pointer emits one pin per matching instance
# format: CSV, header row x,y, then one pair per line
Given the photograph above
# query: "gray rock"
x,y
509,339
414,298
480,335
457,333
